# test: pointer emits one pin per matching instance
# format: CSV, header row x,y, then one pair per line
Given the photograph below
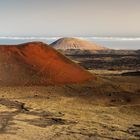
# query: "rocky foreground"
x,y
71,111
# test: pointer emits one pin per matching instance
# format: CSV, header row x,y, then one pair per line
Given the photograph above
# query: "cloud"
x,y
112,38
84,38
29,38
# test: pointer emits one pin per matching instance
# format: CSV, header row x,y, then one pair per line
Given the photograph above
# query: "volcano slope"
x,y
69,46
37,63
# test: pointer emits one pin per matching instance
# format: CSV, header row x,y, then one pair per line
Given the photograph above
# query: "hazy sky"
x,y
70,18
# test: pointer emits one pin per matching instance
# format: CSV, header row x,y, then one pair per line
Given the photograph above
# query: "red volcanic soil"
x,y
37,63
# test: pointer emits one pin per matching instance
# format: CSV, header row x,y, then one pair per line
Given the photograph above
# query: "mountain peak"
x,y
75,43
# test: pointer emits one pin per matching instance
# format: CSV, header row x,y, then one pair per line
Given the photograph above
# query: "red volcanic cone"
x,y
37,63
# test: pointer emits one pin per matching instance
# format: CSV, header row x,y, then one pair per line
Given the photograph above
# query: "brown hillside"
x,y
37,63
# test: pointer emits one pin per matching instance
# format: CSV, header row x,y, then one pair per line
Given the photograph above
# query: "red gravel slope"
x,y
37,63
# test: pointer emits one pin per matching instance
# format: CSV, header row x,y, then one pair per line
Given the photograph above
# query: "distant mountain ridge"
x,y
76,44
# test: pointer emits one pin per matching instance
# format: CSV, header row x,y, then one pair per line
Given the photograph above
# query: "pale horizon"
x,y
124,43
